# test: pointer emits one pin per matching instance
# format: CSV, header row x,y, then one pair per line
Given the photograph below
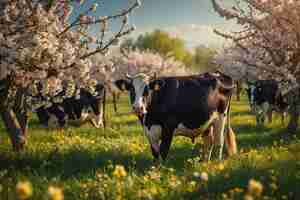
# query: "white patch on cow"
x,y
181,130
192,133
215,115
84,116
97,120
154,135
139,84
53,121
219,127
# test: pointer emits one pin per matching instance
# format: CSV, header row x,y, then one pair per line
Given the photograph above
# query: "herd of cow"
x,y
81,104
190,106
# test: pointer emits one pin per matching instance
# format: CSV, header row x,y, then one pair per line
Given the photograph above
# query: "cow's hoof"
x,y
156,162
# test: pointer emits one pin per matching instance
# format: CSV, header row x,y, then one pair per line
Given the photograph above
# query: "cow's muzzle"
x,y
139,111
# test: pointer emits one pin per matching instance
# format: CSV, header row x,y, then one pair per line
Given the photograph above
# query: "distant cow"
x,y
264,97
186,106
85,104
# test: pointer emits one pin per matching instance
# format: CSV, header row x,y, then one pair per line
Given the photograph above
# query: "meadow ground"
x,y
82,162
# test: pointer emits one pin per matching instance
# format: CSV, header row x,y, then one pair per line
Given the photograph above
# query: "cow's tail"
x,y
103,107
230,139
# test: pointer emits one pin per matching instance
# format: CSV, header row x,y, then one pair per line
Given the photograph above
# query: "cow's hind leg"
x,y
230,142
114,95
270,115
43,116
208,143
219,134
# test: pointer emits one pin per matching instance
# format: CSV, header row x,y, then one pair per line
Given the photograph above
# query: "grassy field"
x,y
87,163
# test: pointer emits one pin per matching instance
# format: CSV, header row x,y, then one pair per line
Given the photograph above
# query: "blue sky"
x,y
191,20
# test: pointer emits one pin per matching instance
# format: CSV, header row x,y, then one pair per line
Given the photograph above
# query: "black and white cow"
x,y
83,106
186,106
264,97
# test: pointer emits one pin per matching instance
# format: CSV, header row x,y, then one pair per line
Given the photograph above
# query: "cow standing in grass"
x,y
186,106
82,104
264,97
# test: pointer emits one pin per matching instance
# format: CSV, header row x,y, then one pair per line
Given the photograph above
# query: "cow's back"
x,y
184,100
266,91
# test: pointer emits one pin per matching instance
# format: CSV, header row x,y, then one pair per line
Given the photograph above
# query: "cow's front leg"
x,y
154,135
208,143
270,115
219,134
167,136
282,113
155,155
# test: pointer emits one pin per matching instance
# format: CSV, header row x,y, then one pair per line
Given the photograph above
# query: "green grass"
x,y
82,161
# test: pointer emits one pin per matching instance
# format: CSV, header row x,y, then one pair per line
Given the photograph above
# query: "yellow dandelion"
x,y
204,176
119,171
273,186
192,186
220,166
153,190
24,190
55,193
238,190
255,187
273,178
248,197
224,196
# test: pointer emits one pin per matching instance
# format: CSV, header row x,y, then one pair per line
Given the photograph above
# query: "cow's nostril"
x,y
138,110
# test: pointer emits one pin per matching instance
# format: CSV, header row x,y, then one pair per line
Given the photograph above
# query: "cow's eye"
x,y
146,91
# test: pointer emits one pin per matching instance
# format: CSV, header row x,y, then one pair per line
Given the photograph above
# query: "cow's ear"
x,y
156,85
123,84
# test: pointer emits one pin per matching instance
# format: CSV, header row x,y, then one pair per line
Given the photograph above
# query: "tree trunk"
x,y
15,128
238,90
294,117
294,110
114,95
14,117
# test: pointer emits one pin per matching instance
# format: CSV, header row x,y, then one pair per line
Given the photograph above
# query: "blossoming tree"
x,y
39,41
129,62
270,40
137,61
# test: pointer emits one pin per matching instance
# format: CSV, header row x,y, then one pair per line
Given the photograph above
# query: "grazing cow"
x,y
114,92
186,106
87,104
264,97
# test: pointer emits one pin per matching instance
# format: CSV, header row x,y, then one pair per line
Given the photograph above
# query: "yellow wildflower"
x,y
24,190
196,174
238,190
192,186
119,171
255,187
55,193
224,196
220,167
204,176
248,197
273,186
153,190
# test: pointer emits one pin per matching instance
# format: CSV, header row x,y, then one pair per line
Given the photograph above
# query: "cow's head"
x,y
138,88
